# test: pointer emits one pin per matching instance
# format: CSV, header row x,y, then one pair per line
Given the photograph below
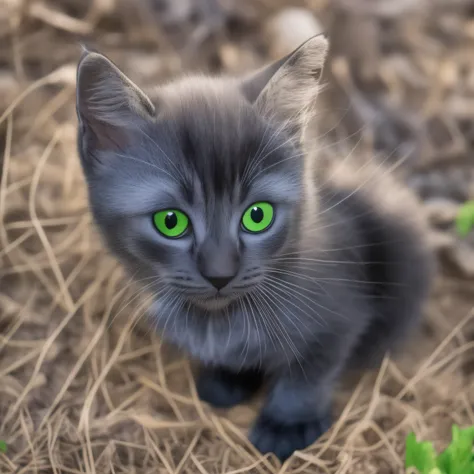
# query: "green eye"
x,y
171,223
258,217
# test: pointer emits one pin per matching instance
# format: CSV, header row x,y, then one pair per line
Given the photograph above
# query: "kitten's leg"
x,y
296,413
224,388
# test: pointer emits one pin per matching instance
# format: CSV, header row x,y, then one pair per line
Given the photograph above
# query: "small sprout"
x,y
3,447
457,458
420,455
465,219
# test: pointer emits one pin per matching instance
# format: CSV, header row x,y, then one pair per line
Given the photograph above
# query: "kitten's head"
x,y
201,188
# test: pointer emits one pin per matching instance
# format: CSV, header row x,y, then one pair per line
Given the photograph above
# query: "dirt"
x,y
86,386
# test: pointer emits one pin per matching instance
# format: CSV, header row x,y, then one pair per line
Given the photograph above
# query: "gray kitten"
x,y
261,269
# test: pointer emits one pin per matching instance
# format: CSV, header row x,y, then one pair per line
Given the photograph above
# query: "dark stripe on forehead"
x,y
217,144
219,138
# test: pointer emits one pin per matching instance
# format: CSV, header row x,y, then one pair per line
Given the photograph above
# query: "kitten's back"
x,y
398,262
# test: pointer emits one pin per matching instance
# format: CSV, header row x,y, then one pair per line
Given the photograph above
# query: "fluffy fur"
x,y
335,282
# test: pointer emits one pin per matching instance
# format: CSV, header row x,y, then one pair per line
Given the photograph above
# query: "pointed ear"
x,y
109,105
287,88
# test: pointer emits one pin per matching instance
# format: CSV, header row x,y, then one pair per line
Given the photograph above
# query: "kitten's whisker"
x,y
322,186
297,354
144,305
138,293
284,285
278,291
176,303
274,325
338,249
281,271
263,313
152,165
246,327
169,299
255,320
256,160
249,163
228,318
171,162
318,150
333,279
295,351
358,188
281,145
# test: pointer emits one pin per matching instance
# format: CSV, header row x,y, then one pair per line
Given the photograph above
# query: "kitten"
x,y
261,268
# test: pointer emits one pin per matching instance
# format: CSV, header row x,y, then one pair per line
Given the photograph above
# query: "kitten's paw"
x,y
271,436
225,389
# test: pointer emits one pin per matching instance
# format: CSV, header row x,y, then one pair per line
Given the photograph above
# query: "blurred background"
x,y
83,388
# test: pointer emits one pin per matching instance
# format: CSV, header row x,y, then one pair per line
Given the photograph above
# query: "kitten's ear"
x,y
287,87
109,105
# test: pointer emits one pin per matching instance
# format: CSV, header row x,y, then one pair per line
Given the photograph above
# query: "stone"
x,y
441,211
461,255
290,27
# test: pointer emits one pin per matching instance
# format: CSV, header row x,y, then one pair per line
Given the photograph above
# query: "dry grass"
x,y
85,387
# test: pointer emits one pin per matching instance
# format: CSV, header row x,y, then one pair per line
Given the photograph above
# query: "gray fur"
x,y
333,283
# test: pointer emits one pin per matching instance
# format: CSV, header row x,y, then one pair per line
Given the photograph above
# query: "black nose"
x,y
219,282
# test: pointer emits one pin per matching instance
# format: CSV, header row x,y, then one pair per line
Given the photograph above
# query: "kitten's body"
x,y
335,281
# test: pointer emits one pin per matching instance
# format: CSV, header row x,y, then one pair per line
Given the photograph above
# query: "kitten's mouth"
x,y
213,303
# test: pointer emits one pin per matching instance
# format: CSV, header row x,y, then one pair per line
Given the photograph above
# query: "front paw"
x,y
282,439
224,389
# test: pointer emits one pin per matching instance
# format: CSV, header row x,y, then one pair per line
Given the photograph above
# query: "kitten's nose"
x,y
219,282
218,264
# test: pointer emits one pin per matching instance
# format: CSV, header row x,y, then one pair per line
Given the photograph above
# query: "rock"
x,y
441,211
462,256
146,66
290,27
440,241
237,59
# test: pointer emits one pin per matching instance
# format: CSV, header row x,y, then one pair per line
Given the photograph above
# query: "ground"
x,y
86,387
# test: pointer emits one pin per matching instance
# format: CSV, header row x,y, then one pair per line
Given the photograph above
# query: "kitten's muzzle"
x,y
219,282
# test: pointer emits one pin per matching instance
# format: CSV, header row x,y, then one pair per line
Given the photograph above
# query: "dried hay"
x,y
85,387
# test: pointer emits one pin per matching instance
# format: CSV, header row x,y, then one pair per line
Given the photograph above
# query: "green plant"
x,y
3,447
457,458
465,219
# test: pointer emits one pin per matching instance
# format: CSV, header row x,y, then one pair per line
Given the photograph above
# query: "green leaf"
x,y
461,451
465,219
457,458
420,455
3,447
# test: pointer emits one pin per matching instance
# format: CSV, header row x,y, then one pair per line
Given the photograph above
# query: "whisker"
x,y
152,165
263,314
277,291
284,332
358,188
246,326
285,284
171,162
137,294
255,320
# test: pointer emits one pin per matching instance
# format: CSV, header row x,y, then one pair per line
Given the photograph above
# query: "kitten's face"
x,y
197,195
202,198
